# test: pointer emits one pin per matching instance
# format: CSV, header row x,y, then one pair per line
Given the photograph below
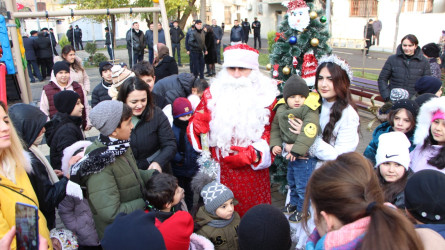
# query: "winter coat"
x,y
223,238
246,27
236,34
61,132
371,149
196,41
420,157
135,40
256,26
78,34
402,72
184,163
20,191
218,32
210,43
187,38
174,86
69,34
149,38
114,185
43,47
176,35
79,76
147,137
368,31
308,113
109,38
30,48
100,93
435,68
166,67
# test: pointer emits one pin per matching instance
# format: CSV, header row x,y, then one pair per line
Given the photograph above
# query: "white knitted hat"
x,y
214,195
393,146
241,55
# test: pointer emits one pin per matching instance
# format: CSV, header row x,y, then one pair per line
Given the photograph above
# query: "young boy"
x,y
297,102
184,164
100,92
164,197
197,91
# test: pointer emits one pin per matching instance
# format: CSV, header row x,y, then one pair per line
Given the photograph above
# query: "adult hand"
x,y
290,157
205,53
243,156
217,41
276,150
296,125
5,242
188,52
288,147
156,166
59,173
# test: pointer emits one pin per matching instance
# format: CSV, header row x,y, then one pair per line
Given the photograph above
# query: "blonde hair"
x,y
11,157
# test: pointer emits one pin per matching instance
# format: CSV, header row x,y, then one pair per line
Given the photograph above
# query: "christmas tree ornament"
x,y
275,71
286,70
292,40
323,19
314,42
294,62
269,66
278,36
313,15
309,68
298,14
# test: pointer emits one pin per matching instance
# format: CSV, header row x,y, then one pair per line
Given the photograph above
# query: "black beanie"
x,y
102,65
407,104
427,84
264,227
421,99
62,65
431,50
295,85
65,101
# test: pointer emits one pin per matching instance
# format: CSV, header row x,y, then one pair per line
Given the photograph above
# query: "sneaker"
x,y
288,209
296,217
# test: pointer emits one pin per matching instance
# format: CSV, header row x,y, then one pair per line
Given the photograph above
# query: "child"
x,y
215,216
184,164
402,118
199,85
392,161
429,84
64,128
298,104
100,92
430,137
164,197
63,239
432,52
395,95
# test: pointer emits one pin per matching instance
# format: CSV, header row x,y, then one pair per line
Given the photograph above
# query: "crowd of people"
x,y
181,163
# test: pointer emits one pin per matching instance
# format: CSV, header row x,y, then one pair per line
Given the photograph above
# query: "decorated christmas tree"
x,y
301,40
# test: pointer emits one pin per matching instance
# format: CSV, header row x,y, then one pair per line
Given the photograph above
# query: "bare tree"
x,y
394,47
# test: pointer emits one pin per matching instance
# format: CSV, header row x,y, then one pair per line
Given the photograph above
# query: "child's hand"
x,y
276,150
290,157
288,147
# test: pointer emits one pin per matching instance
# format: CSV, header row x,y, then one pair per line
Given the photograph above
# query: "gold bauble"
x,y
313,14
269,66
314,42
286,70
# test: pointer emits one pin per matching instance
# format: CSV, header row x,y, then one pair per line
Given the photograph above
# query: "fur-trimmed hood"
x,y
424,117
69,152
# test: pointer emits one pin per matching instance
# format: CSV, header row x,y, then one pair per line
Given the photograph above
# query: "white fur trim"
x,y
68,153
241,58
28,167
200,242
74,190
168,112
424,117
266,160
194,138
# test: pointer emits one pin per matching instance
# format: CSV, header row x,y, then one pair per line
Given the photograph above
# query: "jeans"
x,y
150,56
255,38
135,57
197,59
176,47
110,51
33,66
298,174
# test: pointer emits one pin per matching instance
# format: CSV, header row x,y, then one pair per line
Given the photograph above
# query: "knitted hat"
x,y
425,116
133,231
181,107
398,94
61,65
424,196
122,64
102,65
66,238
119,75
421,99
106,116
393,146
407,104
295,85
241,55
264,227
427,84
214,195
65,101
431,50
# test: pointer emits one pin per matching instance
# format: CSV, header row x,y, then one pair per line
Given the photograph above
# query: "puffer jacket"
x,y
223,238
114,184
236,34
175,86
402,72
100,93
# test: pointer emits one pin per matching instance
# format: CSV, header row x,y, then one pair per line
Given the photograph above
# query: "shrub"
x,y
91,48
64,41
98,58
270,39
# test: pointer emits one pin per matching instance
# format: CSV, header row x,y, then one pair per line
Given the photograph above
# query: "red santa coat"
x,y
250,184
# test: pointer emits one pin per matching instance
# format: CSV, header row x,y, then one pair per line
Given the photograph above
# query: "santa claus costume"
x,y
236,113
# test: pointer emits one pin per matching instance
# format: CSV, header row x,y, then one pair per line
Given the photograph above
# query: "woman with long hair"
x,y
77,72
164,64
210,42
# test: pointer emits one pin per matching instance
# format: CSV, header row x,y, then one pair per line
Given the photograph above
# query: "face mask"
x,y
38,140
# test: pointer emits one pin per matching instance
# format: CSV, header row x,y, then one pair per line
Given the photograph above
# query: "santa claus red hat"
x,y
241,55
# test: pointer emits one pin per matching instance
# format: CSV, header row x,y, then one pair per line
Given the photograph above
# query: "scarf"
x,y
182,125
50,171
115,146
221,223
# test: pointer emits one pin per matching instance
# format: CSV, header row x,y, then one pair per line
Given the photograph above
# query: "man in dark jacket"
x,y
109,38
78,37
218,32
100,92
236,34
176,36
246,30
368,32
256,26
197,47
44,54
187,47
135,44
53,40
30,53
175,86
149,42
70,35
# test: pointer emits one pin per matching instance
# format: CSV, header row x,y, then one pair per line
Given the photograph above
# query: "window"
x,y
423,6
227,15
363,8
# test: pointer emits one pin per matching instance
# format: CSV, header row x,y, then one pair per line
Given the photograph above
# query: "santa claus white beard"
x,y
239,109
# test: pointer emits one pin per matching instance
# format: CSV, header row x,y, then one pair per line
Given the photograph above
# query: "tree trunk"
x,y
113,29
186,13
394,47
202,10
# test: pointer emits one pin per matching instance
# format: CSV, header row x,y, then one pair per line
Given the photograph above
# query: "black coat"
x,y
176,35
69,34
166,67
43,47
402,72
100,93
210,42
175,86
61,132
150,136
236,34
30,48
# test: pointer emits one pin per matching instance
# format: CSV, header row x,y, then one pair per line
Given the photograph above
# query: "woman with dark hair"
x,y
152,139
77,72
164,64
403,69
210,42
